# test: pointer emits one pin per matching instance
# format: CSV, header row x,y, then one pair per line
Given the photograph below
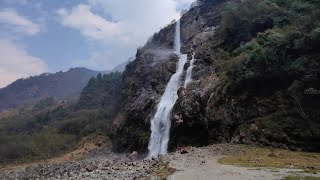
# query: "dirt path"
x,y
212,170
201,164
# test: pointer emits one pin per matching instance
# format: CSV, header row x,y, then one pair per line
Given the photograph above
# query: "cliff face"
x,y
146,77
255,94
235,96
144,82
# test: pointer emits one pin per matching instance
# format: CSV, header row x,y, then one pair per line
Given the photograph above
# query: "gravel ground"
x,y
195,163
201,164
98,165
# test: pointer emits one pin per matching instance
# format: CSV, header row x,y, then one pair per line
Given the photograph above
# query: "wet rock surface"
x,y
144,81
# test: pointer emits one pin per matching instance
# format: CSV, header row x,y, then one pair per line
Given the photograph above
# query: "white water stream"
x,y
189,72
161,122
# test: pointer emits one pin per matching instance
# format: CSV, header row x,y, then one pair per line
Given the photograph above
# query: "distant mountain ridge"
x,y
60,85
121,67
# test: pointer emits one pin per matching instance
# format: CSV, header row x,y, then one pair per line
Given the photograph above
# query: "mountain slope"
x,y
60,85
121,67
62,123
255,80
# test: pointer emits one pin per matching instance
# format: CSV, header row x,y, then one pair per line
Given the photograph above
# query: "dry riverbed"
x,y
221,161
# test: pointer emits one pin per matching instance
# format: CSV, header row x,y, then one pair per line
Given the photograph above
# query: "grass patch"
x,y
301,178
79,151
249,156
163,171
312,171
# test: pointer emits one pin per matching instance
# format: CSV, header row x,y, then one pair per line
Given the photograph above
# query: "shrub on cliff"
x,y
267,48
242,21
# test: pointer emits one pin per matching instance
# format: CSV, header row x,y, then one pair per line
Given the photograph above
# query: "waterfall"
x,y
161,122
189,72
177,43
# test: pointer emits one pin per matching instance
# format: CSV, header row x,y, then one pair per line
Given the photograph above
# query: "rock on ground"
x,y
193,163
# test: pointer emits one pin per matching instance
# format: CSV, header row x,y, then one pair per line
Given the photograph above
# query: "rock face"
x,y
146,77
210,110
199,20
143,84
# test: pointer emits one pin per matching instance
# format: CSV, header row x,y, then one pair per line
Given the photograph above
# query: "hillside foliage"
x,y
270,48
51,126
60,85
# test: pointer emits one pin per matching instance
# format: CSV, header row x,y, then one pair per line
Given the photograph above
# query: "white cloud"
x,y
138,19
96,59
184,1
123,26
89,24
16,63
18,22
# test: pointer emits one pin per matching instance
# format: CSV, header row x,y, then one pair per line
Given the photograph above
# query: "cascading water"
x,y
161,122
189,72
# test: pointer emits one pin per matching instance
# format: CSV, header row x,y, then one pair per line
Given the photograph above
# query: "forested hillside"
x,y
61,85
52,126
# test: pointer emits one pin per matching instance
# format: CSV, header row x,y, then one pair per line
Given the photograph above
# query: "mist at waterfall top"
x,y
49,36
160,55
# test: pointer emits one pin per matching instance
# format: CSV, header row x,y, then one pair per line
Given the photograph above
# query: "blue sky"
x,y
39,36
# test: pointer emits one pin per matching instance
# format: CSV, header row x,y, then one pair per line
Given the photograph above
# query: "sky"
x,y
38,36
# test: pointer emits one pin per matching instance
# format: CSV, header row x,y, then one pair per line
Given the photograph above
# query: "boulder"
x,y
91,168
134,156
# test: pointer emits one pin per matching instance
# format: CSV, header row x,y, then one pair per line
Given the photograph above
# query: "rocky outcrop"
x,y
146,77
199,20
144,82
272,109
163,39
278,109
213,112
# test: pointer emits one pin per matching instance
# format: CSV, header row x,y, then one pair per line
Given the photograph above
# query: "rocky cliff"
x,y
144,82
248,85
146,77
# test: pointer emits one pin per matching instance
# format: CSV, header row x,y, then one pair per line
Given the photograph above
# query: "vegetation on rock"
x,y
256,77
269,54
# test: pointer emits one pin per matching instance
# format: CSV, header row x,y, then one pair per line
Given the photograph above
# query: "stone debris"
x,y
133,156
183,150
97,165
